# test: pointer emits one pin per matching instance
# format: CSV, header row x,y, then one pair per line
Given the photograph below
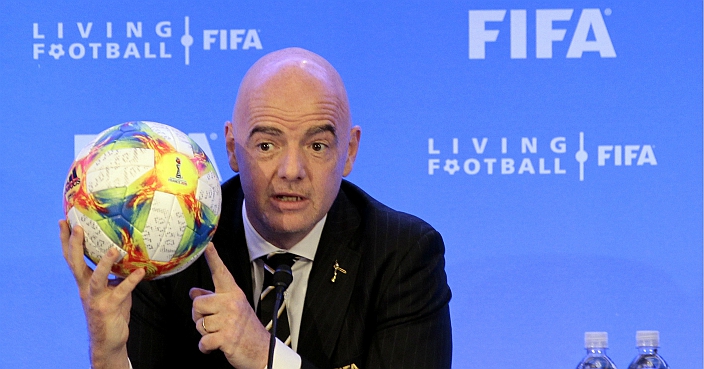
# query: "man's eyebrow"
x,y
265,130
328,127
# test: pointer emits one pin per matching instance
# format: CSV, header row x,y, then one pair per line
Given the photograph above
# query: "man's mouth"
x,y
288,198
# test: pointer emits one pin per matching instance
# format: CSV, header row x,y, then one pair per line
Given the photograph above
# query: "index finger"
x,y
222,279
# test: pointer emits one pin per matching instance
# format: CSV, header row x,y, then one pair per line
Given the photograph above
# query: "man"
x,y
369,286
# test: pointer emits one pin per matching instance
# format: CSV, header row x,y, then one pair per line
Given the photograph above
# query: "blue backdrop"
x,y
556,145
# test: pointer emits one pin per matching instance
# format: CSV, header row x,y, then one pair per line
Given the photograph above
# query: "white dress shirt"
x,y
284,357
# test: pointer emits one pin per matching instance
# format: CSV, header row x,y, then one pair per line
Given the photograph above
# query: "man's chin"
x,y
285,233
288,229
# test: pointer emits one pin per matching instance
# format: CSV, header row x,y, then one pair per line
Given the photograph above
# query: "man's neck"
x,y
284,242
281,240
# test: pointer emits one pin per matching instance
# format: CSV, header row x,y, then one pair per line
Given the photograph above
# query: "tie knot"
x,y
274,259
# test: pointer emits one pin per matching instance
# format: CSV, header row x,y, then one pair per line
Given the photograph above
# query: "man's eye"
x,y
318,146
264,146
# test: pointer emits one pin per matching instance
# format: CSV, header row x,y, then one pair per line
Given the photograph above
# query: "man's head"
x,y
291,139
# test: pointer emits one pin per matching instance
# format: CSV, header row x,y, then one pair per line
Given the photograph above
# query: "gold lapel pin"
x,y
337,268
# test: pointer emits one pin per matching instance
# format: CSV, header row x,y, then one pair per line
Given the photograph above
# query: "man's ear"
x,y
355,135
230,144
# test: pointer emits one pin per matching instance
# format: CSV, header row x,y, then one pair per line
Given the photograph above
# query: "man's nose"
x,y
292,165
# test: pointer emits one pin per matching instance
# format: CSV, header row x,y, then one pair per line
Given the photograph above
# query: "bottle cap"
x,y
647,338
596,340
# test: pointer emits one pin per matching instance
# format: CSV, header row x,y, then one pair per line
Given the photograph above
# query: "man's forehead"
x,y
289,101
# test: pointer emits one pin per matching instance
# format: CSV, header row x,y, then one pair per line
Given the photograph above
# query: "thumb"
x,y
195,292
222,279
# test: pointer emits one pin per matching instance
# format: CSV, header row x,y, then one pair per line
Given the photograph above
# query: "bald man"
x,y
369,287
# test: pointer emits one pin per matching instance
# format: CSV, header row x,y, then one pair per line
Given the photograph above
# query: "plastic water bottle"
x,y
648,357
596,344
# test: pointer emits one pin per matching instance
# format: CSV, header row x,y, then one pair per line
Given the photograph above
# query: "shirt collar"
x,y
258,246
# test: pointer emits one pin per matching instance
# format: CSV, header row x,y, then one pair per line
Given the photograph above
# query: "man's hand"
x,y
232,326
106,303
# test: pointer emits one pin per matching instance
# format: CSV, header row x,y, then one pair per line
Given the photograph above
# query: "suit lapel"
x,y
326,301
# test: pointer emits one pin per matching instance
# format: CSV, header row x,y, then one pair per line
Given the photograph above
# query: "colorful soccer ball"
x,y
147,189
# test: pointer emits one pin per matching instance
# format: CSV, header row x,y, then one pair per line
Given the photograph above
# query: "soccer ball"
x,y
147,189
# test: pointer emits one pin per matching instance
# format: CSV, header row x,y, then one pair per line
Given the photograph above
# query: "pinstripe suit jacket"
x,y
390,310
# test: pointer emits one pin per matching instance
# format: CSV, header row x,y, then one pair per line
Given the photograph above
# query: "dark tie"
x,y
268,296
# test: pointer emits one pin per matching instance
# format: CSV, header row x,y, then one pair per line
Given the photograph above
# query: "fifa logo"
x,y
490,156
178,168
590,33
136,40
